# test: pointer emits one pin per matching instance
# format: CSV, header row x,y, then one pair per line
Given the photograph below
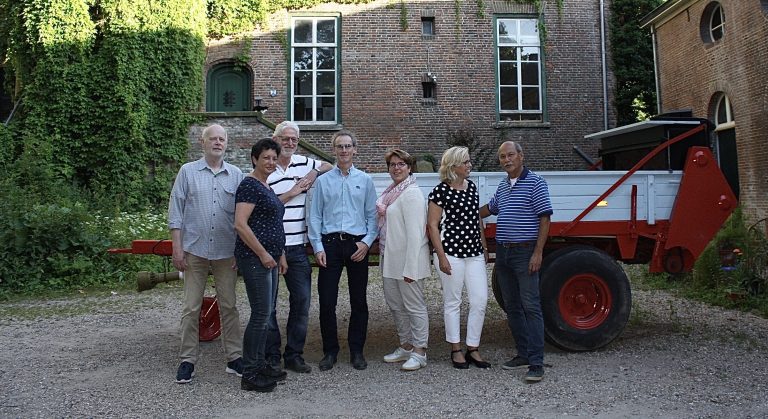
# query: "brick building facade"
x,y
388,59
712,58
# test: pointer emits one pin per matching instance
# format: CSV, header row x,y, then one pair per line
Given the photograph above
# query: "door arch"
x,y
228,88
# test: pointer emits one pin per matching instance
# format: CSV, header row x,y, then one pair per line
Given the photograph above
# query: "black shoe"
x,y
274,373
257,382
515,363
358,361
298,365
235,367
471,360
327,362
185,372
459,365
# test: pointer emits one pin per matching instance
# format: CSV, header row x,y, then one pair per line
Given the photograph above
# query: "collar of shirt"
x,y
202,165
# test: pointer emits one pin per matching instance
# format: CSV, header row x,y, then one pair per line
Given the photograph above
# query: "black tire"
x,y
586,298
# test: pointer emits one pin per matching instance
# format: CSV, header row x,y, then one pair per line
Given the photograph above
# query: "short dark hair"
x,y
263,145
403,155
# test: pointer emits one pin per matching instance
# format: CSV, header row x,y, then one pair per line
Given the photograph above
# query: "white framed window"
x,y
723,114
518,69
712,25
314,69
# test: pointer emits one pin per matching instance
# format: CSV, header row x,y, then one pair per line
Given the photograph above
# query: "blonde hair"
x,y
452,157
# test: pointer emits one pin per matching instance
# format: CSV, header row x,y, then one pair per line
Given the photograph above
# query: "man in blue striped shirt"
x,y
523,209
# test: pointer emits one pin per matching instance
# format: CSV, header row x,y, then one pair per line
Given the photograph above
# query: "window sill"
x,y
429,102
233,114
316,127
521,124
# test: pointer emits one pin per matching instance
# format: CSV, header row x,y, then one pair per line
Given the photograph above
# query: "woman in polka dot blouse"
x,y
456,233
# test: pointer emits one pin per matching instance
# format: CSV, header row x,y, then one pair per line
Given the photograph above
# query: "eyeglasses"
x,y
399,165
344,146
294,140
466,163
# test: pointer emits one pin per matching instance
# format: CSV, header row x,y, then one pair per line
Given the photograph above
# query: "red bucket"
x,y
210,322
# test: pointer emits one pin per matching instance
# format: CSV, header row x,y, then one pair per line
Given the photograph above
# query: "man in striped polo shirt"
x,y
291,180
523,209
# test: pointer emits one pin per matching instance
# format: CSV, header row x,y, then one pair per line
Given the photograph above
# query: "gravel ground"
x,y
115,355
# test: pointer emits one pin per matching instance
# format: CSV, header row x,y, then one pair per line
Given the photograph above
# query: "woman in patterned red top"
x,y
456,233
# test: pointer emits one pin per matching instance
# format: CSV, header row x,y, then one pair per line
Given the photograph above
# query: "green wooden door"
x,y
228,89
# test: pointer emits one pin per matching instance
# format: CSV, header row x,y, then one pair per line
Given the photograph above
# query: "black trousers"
x,y
338,255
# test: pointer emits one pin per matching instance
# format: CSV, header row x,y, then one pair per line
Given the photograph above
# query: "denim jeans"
x,y
260,285
522,303
298,279
338,255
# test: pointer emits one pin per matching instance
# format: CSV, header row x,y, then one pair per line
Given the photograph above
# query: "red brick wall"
x,y
382,70
692,72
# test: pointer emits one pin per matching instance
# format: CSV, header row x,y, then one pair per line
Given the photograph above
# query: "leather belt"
x,y
342,236
518,244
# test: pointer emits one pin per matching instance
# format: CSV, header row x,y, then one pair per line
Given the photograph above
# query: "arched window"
x,y
228,88
726,145
723,113
712,25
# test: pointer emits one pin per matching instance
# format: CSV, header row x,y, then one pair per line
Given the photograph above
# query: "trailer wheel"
x,y
585,298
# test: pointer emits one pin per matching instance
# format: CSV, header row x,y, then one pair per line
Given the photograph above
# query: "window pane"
x,y
508,53
531,98
326,58
302,109
302,32
530,117
302,82
508,99
302,58
507,31
326,32
327,110
717,17
529,28
530,73
427,27
717,33
507,73
529,54
326,82
722,116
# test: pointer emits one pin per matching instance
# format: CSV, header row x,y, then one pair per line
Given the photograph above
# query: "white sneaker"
x,y
415,362
399,355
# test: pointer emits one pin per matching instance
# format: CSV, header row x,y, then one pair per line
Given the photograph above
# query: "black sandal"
x,y
459,365
478,363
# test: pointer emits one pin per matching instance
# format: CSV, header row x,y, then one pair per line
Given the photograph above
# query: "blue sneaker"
x,y
535,374
235,367
185,373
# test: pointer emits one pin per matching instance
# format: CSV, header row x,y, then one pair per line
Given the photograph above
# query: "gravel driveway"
x,y
115,355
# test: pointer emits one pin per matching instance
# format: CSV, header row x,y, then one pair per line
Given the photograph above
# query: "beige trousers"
x,y
195,280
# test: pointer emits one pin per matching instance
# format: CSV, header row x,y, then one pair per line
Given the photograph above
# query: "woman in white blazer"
x,y
402,218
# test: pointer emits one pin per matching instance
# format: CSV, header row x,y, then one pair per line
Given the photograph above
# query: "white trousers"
x,y
406,302
469,272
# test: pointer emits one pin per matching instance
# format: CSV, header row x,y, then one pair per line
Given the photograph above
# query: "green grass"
x,y
718,294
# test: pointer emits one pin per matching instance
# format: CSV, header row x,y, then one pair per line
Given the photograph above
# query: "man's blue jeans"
x,y
298,279
260,285
522,302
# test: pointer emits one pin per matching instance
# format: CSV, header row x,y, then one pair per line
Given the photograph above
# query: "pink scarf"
x,y
385,200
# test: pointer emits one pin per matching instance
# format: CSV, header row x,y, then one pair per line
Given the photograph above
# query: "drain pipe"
x,y
656,71
605,73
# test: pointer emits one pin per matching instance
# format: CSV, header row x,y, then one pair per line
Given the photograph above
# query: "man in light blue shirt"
x,y
342,227
201,215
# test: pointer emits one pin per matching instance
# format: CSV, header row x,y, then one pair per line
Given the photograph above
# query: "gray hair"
x,y
209,128
343,133
286,124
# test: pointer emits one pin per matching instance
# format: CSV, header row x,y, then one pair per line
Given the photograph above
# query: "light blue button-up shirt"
x,y
202,206
343,204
